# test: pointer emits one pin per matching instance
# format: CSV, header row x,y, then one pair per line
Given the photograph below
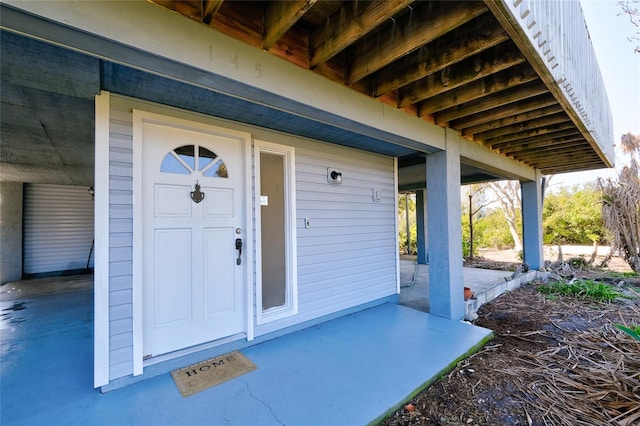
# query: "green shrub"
x,y
582,289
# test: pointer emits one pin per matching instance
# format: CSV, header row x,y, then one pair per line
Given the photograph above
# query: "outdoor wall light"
x,y
92,192
334,176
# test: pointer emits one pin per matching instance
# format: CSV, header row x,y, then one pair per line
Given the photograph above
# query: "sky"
x,y
610,30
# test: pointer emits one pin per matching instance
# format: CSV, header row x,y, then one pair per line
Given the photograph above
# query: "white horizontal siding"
x,y
120,239
346,258
347,255
58,228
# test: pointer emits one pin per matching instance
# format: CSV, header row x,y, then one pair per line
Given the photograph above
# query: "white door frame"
x,y
195,121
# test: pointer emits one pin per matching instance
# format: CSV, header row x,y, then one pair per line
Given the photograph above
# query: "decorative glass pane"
x,y
208,162
170,164
205,157
218,169
187,154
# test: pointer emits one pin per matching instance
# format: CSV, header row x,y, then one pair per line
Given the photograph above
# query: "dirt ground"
x,y
551,362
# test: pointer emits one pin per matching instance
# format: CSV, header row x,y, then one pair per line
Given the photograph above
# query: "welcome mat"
x,y
203,375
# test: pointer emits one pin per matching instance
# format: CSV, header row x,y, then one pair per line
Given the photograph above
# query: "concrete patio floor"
x,y
348,371
486,284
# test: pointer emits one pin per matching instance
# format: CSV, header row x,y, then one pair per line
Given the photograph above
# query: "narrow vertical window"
x,y
277,293
273,232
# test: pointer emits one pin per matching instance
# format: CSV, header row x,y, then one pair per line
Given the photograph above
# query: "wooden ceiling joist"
x,y
347,25
487,103
542,145
534,133
511,120
514,109
467,71
518,128
209,9
280,16
458,64
549,137
503,80
465,41
419,27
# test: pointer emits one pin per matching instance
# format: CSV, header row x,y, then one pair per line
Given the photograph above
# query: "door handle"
x,y
239,248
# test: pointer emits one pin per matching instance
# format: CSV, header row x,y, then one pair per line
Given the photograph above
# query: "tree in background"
x,y
402,223
574,216
508,196
621,205
468,239
632,8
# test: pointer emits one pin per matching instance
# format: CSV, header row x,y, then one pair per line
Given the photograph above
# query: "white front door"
x,y
192,225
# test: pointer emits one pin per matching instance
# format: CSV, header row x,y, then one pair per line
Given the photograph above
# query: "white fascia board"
x,y
166,34
476,155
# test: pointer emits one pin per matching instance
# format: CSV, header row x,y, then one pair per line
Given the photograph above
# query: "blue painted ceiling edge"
x,y
138,84
144,85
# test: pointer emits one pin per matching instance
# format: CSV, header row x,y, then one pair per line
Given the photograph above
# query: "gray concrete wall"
x,y
10,231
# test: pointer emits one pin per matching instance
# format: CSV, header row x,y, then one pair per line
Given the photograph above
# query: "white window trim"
x,y
290,307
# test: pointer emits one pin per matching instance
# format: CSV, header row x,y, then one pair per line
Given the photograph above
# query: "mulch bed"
x,y
553,361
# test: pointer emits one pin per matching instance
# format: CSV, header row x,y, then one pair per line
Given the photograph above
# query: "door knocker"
x,y
197,195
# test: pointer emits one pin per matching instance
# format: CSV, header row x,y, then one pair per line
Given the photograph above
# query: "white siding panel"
x,y
58,228
121,326
120,341
347,257
120,239
121,369
119,312
120,297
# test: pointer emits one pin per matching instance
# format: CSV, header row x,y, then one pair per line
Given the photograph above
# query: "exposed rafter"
x,y
351,22
280,16
415,30
458,64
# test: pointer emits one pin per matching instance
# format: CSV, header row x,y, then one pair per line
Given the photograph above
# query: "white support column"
x,y
446,298
532,222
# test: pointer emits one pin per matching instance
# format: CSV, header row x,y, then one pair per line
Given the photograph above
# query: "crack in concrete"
x,y
262,402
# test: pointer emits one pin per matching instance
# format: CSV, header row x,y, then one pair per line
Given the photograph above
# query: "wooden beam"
x,y
189,10
280,16
416,29
240,20
583,167
348,25
507,79
504,98
567,159
518,147
576,147
473,37
516,128
534,139
514,119
503,112
528,134
209,9
489,62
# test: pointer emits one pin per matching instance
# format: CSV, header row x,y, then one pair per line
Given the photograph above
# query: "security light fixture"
x,y
334,176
